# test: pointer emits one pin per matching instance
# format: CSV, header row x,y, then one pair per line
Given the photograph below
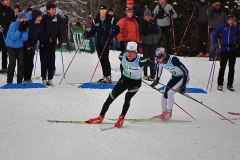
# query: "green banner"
x,y
85,45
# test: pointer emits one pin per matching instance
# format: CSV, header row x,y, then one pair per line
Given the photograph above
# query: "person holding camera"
x,y
164,13
17,34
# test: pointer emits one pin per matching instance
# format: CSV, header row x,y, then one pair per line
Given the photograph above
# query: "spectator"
x,y
17,34
16,10
150,36
34,35
216,17
6,17
29,11
128,29
114,44
51,33
137,11
164,13
230,35
101,27
202,6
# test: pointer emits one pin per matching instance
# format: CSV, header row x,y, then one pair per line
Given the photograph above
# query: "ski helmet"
x,y
160,52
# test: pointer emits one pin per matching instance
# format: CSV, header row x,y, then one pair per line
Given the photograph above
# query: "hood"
x,y
35,14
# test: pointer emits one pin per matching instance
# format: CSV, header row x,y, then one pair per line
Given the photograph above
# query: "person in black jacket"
x,y
6,17
51,34
149,34
103,26
34,35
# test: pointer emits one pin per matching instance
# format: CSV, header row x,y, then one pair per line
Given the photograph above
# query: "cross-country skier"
x,y
131,80
178,81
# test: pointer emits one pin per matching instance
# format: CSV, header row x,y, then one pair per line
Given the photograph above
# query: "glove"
x,y
59,45
154,84
115,30
21,26
182,89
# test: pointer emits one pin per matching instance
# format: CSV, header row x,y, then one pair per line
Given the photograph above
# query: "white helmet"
x,y
132,46
160,52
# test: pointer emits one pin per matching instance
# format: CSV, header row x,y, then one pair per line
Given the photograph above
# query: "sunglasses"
x,y
158,57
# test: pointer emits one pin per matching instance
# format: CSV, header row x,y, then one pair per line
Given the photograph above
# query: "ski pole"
x,y
209,76
214,60
35,66
174,102
190,97
62,61
194,9
78,49
173,34
100,58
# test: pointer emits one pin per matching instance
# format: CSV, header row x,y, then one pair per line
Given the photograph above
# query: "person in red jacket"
x,y
128,29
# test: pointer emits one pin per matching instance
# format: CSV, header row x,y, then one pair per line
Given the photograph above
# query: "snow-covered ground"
x,y
26,135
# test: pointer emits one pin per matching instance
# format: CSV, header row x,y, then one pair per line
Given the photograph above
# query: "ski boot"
x,y
164,116
120,121
96,120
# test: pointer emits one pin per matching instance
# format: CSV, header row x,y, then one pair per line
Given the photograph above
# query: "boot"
x,y
230,88
164,116
120,121
98,119
49,83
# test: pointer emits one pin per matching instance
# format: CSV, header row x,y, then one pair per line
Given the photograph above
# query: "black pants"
x,y
15,55
166,31
123,46
149,52
225,57
28,56
47,58
4,52
104,60
123,84
202,36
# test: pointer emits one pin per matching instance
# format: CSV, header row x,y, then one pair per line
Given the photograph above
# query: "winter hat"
x,y
22,15
17,6
29,9
110,10
230,16
129,10
132,46
102,7
129,1
36,13
160,52
147,12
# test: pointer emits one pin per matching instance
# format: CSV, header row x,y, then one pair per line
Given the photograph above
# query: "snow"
x,y
26,135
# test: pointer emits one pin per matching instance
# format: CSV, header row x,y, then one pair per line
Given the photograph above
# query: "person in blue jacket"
x,y
16,35
229,35
178,82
